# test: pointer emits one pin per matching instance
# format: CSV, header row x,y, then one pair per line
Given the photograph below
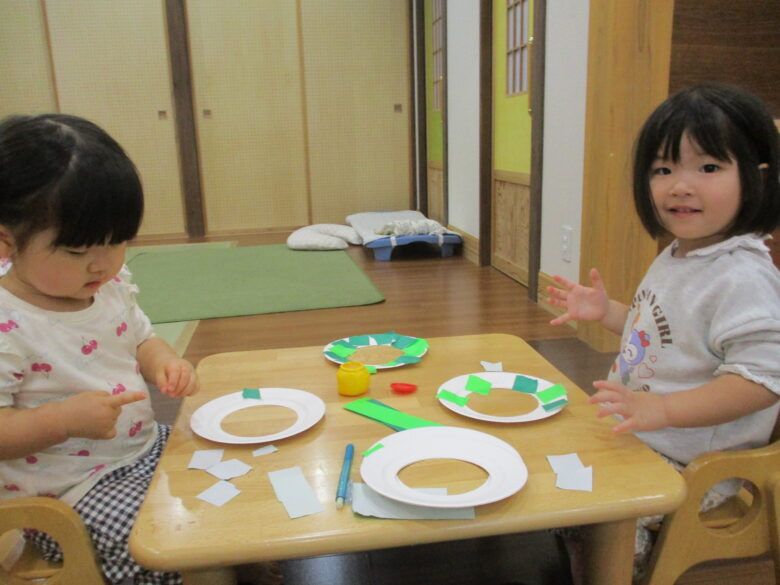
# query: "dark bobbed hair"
x,y
65,173
729,124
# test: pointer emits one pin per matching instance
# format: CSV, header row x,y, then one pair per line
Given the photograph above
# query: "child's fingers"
x,y
565,282
120,400
561,319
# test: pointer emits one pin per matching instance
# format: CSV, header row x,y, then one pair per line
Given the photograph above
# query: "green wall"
x,y
512,123
433,117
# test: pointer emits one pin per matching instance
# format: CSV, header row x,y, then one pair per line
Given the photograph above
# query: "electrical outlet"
x,y
566,235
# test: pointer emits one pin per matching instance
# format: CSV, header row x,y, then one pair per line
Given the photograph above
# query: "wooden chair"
x,y
744,526
62,523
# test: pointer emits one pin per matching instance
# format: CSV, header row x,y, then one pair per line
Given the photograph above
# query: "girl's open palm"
x,y
580,303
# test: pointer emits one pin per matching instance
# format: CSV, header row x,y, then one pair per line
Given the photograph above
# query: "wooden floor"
x,y
428,296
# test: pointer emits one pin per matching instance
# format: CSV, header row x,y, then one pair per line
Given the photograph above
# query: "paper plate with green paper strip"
x,y
461,393
377,351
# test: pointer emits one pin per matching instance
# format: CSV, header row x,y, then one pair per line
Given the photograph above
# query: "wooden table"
x,y
177,531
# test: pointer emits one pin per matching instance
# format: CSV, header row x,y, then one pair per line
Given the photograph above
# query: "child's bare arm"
x,y
161,365
726,398
92,415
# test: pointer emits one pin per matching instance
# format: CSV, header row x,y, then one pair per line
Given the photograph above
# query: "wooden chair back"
x,y
64,525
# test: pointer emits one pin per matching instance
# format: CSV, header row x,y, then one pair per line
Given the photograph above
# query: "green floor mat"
x,y
204,283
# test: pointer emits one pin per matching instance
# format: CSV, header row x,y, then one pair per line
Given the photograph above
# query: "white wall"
x,y
566,71
463,114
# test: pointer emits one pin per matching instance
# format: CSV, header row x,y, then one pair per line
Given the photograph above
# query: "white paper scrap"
x,y
565,463
580,480
367,502
294,492
493,367
264,450
220,493
229,469
205,458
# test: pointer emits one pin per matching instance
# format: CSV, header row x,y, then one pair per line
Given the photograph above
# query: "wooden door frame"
x,y
184,114
536,103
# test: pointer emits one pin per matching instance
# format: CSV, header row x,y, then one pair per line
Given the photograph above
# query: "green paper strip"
x,y
388,416
552,393
372,449
342,350
403,359
555,405
478,385
251,393
383,405
523,384
385,338
371,369
452,397
336,358
417,348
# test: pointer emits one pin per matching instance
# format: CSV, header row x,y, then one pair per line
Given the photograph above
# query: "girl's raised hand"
x,y
93,415
641,411
177,378
580,303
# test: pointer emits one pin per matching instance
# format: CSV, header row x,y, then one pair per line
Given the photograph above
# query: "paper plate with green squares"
x,y
456,393
409,350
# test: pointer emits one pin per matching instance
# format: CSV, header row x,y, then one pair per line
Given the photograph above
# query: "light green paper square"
x,y
551,394
478,385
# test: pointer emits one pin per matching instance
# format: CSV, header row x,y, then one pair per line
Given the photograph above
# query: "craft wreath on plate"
x,y
456,394
377,351
504,466
206,421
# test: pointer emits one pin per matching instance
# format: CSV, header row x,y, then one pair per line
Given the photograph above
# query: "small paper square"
x,y
205,458
229,469
220,493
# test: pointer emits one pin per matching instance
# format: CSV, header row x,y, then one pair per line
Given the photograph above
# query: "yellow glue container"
x,y
352,378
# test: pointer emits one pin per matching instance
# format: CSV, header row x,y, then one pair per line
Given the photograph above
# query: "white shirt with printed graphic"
x,y
47,356
715,311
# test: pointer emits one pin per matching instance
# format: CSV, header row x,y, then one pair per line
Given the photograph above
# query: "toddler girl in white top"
x,y
698,370
76,351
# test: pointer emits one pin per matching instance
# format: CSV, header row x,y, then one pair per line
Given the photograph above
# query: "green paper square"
x,y
342,350
555,405
551,394
253,393
452,397
359,340
403,341
523,384
478,385
417,348
385,338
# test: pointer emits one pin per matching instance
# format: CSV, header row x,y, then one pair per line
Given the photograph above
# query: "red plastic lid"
x,y
403,388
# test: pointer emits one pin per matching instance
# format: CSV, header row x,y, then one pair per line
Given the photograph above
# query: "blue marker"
x,y
341,492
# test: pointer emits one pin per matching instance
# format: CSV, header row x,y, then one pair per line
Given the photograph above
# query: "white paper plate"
x,y
505,468
457,386
206,421
380,339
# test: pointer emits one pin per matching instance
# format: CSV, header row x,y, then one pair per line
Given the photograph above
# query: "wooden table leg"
x,y
609,553
221,576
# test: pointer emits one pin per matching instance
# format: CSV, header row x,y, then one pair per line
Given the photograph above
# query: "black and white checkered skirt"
x,y
109,511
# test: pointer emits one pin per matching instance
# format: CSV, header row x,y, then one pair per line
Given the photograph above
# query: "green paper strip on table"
x,y
386,415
